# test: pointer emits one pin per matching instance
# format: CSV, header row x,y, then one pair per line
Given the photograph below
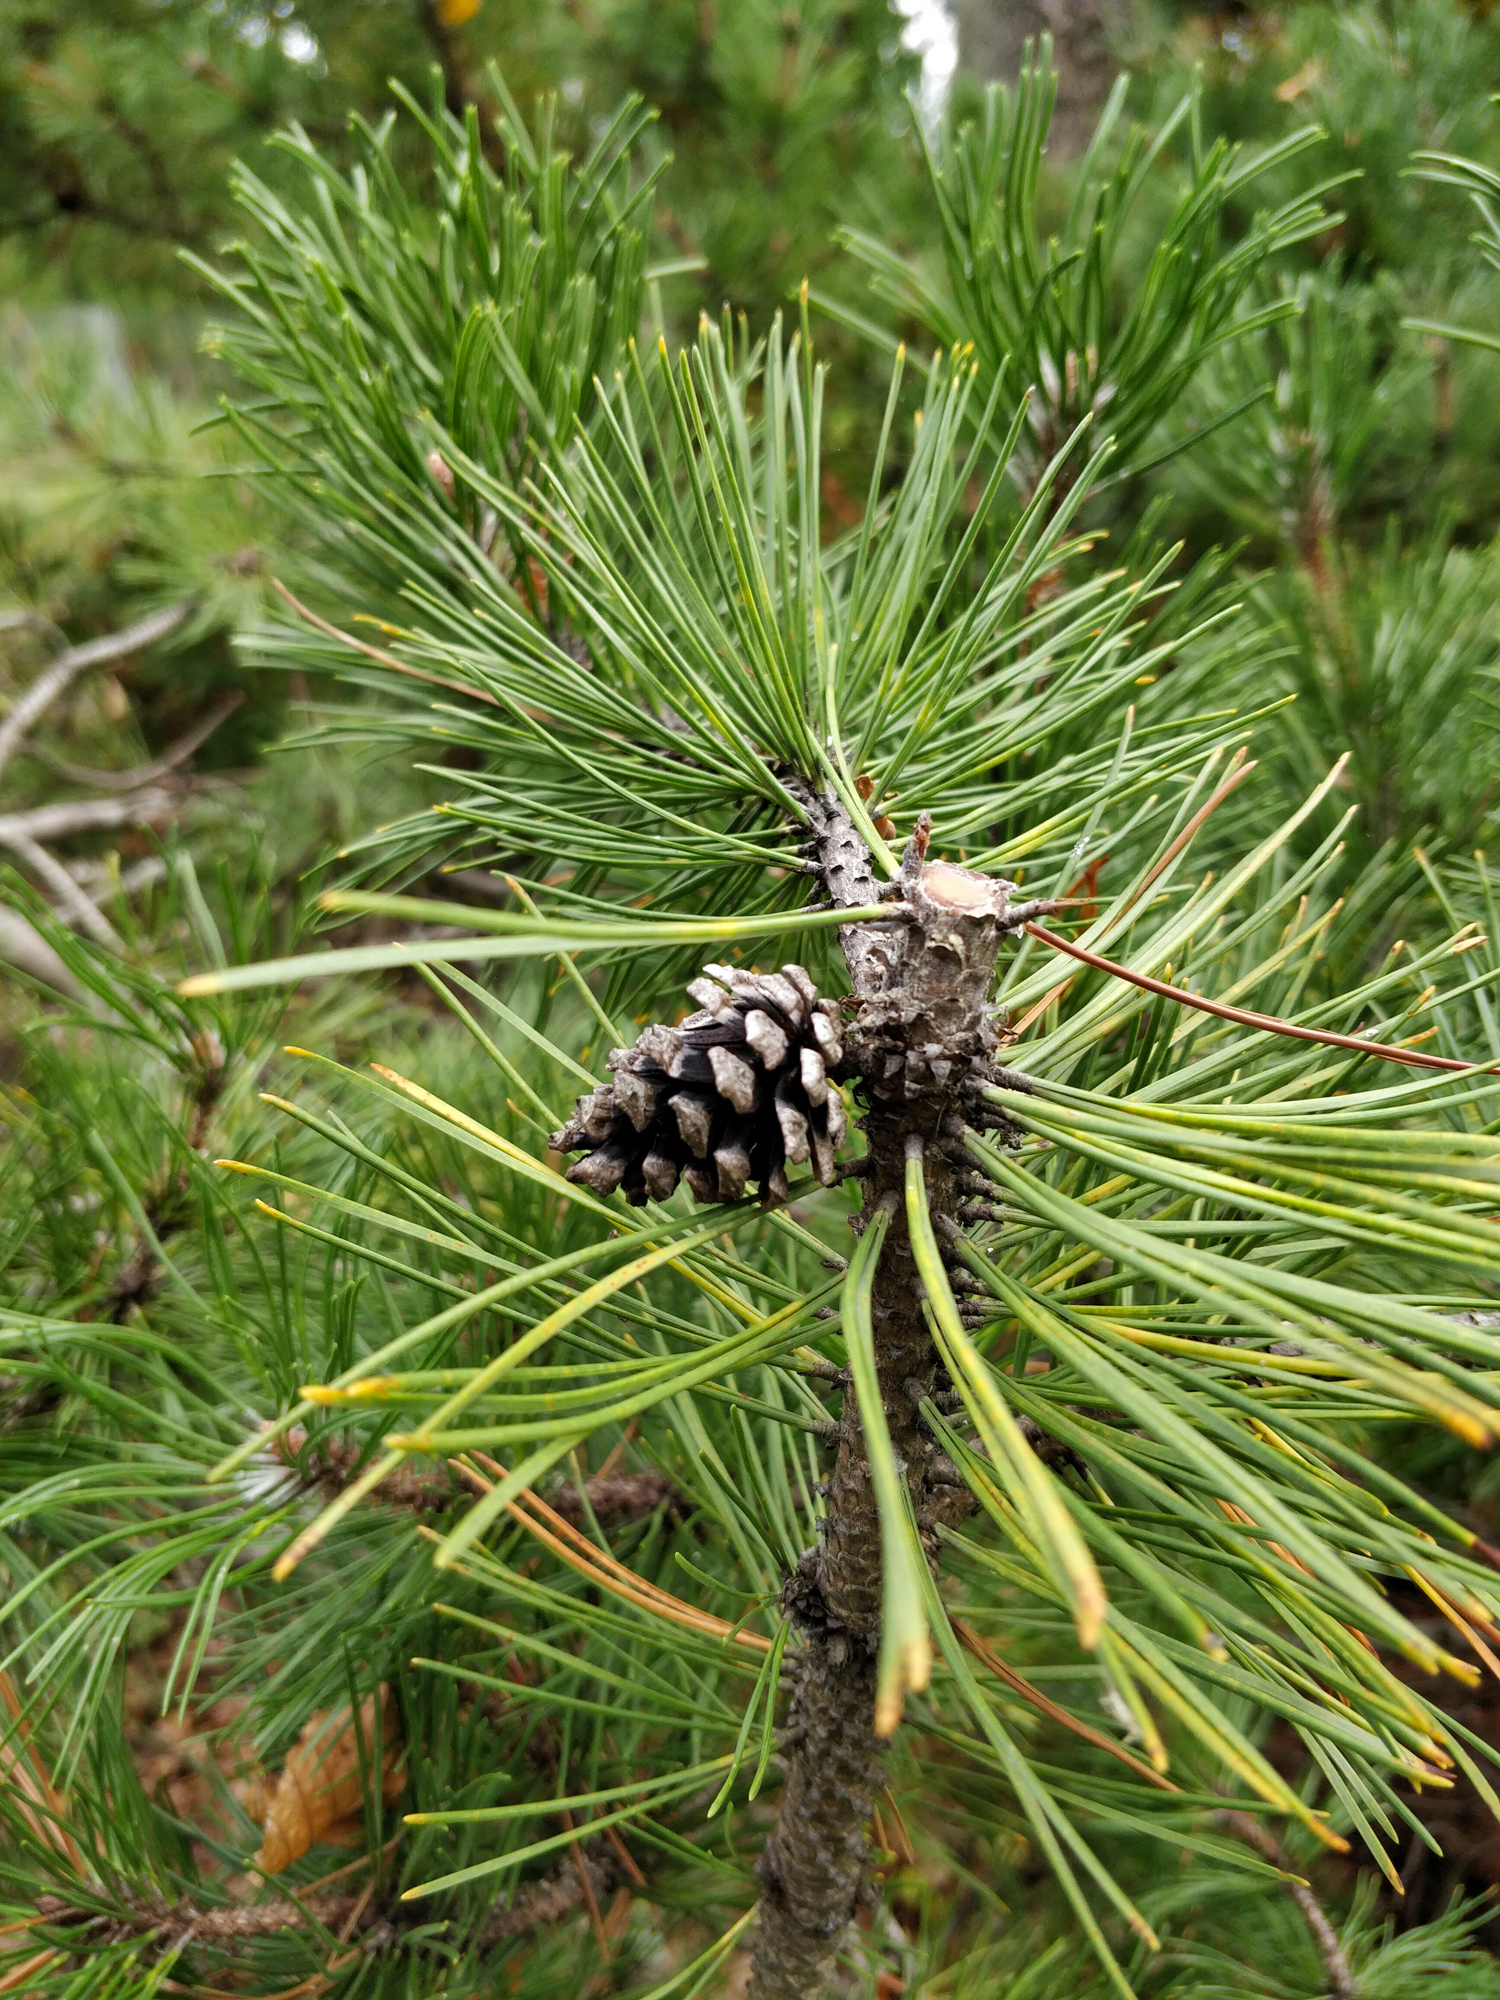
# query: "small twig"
x,y
231,1923
1341,1984
545,1902
148,774
23,834
617,1498
1246,1018
337,1460
52,682
23,946
175,1925
72,903
68,816
101,884
620,1497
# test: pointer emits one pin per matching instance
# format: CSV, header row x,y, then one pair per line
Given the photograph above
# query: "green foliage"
x,y
119,126
121,121
112,505
1048,316
1383,78
1349,411
1361,481
780,118
488,319
1212,1266
1394,653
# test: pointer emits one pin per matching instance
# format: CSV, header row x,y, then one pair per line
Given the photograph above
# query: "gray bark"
x,y
992,35
921,1039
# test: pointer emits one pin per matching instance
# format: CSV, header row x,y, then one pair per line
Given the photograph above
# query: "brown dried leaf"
x,y
318,1795
1307,78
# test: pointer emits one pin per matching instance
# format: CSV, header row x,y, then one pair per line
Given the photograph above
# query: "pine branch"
x,y
176,1926
142,775
22,945
71,901
669,686
617,1498
24,833
552,1899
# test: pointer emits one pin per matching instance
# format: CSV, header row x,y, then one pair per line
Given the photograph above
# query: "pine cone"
x,y
730,1097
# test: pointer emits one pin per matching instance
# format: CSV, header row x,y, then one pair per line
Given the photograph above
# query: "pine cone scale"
x,y
766,1038
695,1117
732,1160
734,1080
814,1076
637,1096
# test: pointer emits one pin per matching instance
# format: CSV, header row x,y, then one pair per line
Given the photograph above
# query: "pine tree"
x,y
797,1391
1356,473
119,122
117,129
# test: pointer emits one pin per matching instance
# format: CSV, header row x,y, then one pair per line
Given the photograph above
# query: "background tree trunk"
x,y
993,33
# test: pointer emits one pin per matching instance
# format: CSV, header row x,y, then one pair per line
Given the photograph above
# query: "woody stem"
x,y
919,1035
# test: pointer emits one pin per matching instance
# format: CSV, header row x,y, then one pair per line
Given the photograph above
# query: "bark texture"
x,y
992,38
921,1039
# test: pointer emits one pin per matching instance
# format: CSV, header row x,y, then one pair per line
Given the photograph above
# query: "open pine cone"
x,y
731,1096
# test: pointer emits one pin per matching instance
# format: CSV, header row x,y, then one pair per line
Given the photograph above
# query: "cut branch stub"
x,y
732,1096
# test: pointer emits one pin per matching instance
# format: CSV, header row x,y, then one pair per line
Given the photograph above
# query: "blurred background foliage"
x,y
1350,509
779,128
